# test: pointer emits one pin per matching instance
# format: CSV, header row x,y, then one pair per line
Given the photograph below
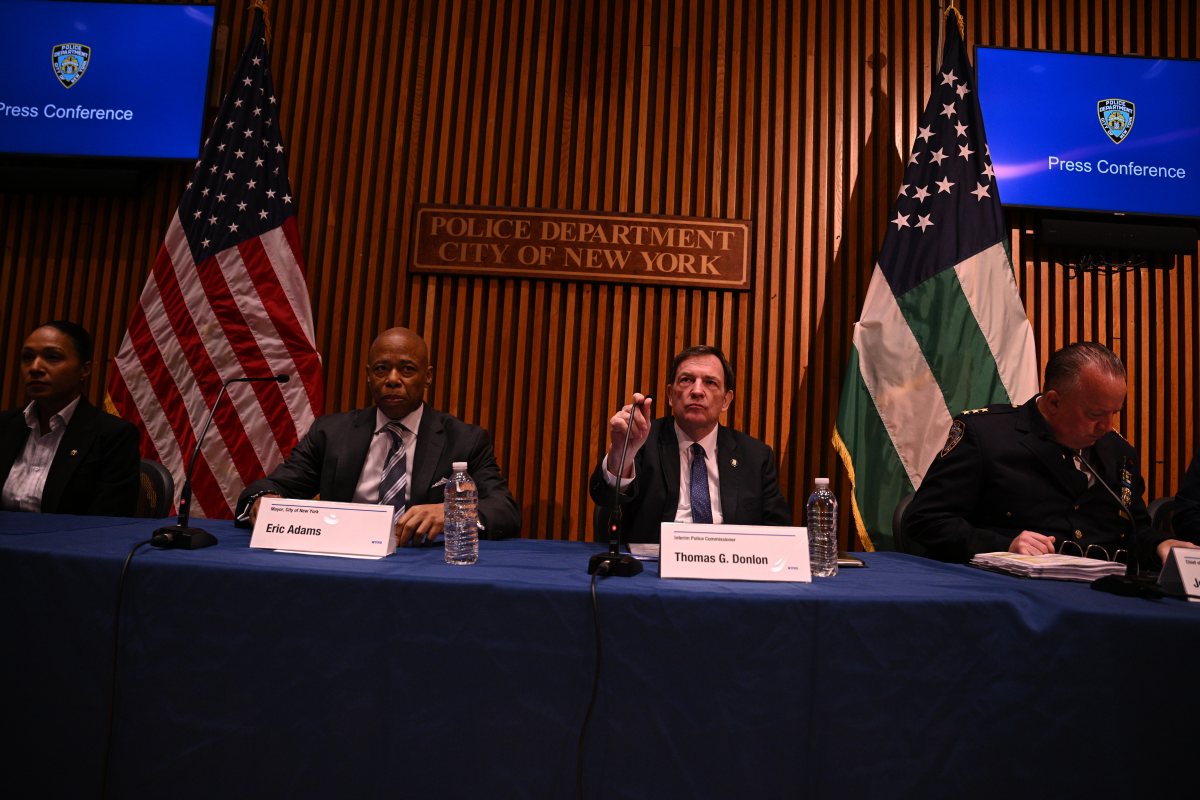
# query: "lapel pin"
x,y
733,462
74,452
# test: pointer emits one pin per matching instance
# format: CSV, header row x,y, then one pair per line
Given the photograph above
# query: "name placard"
x,y
321,528
734,552
1180,576
625,248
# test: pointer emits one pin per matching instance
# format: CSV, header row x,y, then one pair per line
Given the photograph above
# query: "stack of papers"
x,y
1052,565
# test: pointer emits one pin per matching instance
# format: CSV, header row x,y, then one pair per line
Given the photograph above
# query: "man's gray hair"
x,y
1063,368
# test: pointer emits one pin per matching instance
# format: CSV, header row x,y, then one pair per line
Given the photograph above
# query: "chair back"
x,y
157,490
1162,510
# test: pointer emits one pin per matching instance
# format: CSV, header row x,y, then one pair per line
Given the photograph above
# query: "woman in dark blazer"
x,y
60,454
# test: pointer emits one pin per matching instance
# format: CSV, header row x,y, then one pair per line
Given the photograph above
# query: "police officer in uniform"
x,y
1048,476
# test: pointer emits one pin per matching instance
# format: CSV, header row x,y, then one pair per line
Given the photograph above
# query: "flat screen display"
x,y
1093,133
125,80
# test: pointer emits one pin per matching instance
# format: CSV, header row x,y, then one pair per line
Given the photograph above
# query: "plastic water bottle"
x,y
822,513
461,530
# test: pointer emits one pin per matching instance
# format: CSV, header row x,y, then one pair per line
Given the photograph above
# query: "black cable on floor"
x,y
112,688
587,717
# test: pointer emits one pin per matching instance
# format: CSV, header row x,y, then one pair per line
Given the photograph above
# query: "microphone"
x,y
1130,568
181,535
614,562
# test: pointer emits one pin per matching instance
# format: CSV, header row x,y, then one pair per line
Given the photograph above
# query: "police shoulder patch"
x,y
956,434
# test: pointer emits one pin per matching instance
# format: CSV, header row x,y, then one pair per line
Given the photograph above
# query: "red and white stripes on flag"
x,y
226,299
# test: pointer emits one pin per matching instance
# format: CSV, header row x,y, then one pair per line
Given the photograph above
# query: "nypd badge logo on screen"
x,y
1116,118
70,61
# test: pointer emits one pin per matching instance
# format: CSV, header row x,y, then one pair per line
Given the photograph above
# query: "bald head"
x,y
398,372
400,337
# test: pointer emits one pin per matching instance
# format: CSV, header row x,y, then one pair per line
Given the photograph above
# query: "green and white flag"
x,y
942,327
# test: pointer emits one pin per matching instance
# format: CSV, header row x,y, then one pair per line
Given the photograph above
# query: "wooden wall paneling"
x,y
550,93
312,177
481,178
776,385
795,452
367,166
332,180
1160,445
340,170
404,122
503,376
793,114
547,446
467,117
742,413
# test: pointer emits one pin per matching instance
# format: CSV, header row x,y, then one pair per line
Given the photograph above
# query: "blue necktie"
x,y
701,507
393,485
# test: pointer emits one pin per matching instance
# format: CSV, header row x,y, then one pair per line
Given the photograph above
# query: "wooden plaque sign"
x,y
623,248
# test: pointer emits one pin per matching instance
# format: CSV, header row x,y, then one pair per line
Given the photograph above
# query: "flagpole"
x,y
261,5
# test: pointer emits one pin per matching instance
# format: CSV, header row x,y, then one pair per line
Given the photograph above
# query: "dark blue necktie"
x,y
701,507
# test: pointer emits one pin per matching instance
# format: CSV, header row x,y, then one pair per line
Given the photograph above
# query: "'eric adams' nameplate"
x,y
321,528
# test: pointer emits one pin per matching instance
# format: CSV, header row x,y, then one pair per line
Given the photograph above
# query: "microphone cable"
x,y
602,569
1133,568
116,652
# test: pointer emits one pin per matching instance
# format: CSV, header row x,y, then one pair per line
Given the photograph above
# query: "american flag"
x,y
943,327
226,299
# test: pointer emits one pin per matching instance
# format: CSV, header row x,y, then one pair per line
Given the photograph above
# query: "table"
x,y
248,673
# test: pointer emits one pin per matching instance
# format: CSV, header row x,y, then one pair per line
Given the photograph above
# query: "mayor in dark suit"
x,y
60,454
1048,476
686,467
398,452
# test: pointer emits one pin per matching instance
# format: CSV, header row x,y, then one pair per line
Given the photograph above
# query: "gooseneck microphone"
x,y
621,565
182,535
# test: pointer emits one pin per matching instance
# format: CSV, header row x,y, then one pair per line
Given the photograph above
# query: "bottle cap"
x,y
459,466
822,481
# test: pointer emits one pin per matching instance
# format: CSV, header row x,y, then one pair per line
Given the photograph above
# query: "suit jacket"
x,y
1186,518
330,457
1002,472
746,467
96,469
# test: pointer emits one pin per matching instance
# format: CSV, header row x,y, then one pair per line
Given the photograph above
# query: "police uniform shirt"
x,y
1001,472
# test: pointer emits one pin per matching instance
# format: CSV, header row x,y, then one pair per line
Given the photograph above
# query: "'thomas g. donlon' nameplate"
x,y
321,528
734,552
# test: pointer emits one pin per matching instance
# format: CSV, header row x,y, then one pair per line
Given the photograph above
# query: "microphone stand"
x,y
614,562
1131,569
183,536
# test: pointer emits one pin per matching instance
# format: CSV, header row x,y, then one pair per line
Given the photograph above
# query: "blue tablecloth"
x,y
248,673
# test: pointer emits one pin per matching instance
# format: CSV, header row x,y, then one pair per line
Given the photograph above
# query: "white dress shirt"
x,y
683,511
367,490
27,480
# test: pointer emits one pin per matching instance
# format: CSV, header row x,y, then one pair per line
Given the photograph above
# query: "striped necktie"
x,y
393,486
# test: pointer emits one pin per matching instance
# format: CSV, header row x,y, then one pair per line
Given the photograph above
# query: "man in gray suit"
x,y
687,467
397,452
